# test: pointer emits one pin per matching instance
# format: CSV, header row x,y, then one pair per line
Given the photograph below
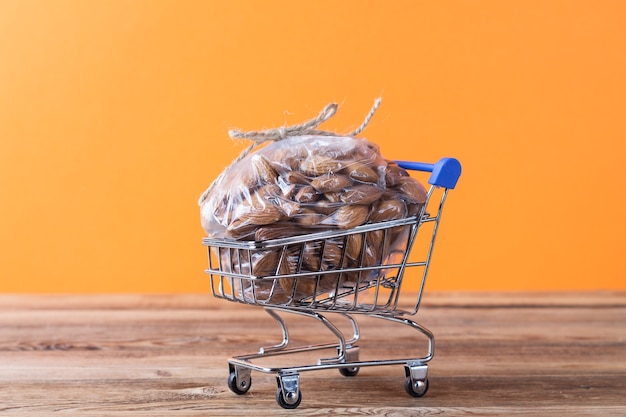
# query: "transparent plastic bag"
x,y
302,185
309,183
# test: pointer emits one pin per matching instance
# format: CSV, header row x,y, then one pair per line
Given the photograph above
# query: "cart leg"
x,y
288,394
283,328
416,383
239,379
423,330
355,329
352,355
341,340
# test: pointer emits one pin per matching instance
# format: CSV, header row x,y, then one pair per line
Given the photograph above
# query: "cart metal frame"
x,y
376,294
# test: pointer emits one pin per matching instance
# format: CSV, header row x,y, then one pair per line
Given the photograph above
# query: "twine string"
x,y
367,118
258,137
276,134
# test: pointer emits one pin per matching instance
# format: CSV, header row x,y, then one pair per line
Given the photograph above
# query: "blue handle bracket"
x,y
444,173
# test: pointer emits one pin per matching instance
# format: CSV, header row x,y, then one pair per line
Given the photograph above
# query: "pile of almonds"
x,y
307,184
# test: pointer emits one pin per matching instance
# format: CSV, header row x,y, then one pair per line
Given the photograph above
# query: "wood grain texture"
x,y
496,354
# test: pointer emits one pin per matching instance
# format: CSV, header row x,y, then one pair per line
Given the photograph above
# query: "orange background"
x,y
114,119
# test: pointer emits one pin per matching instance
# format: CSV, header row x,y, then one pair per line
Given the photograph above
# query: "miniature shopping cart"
x,y
368,289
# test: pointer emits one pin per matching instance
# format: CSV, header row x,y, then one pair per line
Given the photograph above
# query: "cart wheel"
x,y
417,388
349,371
241,388
293,399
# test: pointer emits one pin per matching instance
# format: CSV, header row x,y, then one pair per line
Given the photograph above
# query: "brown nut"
x,y
354,244
322,256
330,183
226,257
311,256
412,190
393,174
308,218
306,194
255,212
287,207
386,210
295,177
289,191
361,172
277,231
331,255
283,160
347,217
268,191
333,197
264,263
361,194
240,230
288,266
374,147
375,238
413,209
316,165
263,170
324,206
373,248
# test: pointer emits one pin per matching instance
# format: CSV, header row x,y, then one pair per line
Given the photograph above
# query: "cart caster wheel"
x,y
417,388
349,371
239,388
288,394
293,399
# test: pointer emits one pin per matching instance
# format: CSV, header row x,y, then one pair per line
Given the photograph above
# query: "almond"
x,y
263,170
307,217
330,183
277,231
283,160
348,217
311,256
306,194
289,191
288,266
264,263
361,172
393,173
324,206
386,210
414,209
295,177
371,256
316,165
373,248
333,197
240,230
412,190
331,255
255,212
354,244
323,256
268,191
287,207
361,194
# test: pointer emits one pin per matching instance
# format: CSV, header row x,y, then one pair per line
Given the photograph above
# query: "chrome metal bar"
x,y
429,335
283,327
430,251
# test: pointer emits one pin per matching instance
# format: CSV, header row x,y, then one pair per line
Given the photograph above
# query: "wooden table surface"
x,y
545,354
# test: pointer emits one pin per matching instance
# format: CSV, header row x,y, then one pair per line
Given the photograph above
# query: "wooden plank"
x,y
201,301
166,355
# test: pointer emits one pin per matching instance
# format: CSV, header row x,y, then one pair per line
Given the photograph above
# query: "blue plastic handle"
x,y
444,173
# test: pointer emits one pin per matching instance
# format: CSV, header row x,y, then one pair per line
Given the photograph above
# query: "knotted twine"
x,y
259,137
